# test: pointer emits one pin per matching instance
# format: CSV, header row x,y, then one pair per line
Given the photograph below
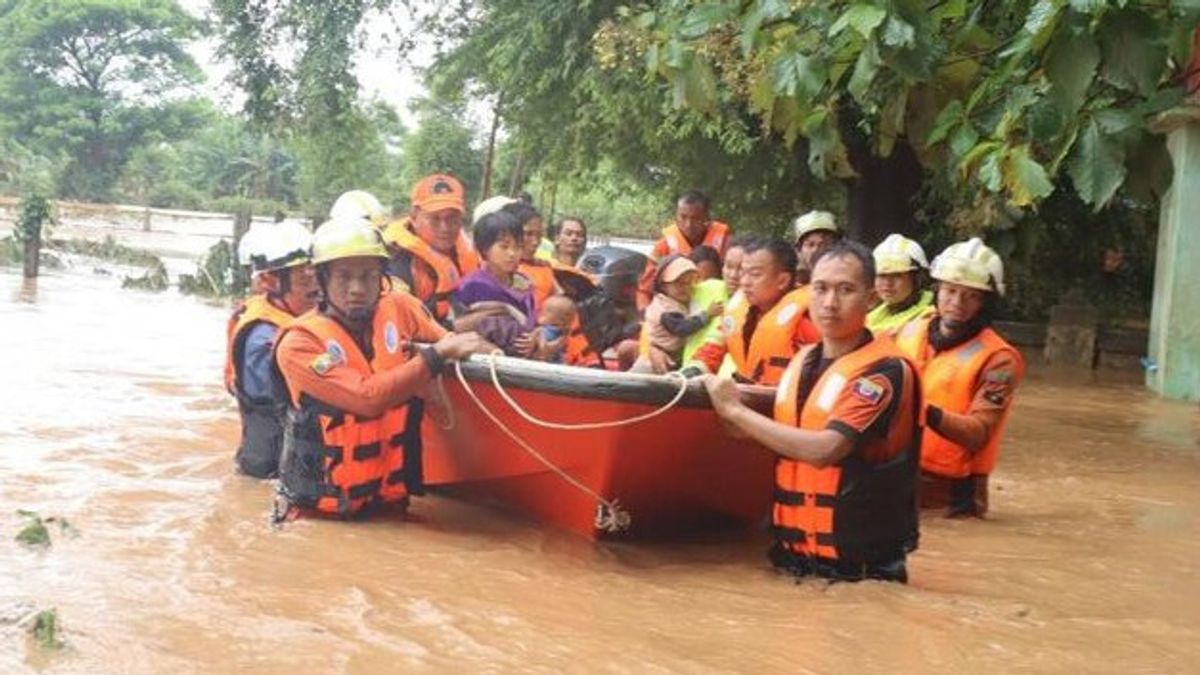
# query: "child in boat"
x,y
667,323
497,300
554,325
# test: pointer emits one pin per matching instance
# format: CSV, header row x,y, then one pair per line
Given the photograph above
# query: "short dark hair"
x,y
739,241
781,251
572,219
492,227
522,211
694,197
848,248
702,254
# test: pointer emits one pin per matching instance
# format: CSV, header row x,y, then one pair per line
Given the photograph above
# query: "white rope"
x,y
439,388
584,426
610,516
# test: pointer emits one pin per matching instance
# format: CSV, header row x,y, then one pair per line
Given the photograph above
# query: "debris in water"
x,y
36,533
45,629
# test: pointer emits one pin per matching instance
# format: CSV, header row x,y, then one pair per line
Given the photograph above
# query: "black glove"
x,y
692,371
933,417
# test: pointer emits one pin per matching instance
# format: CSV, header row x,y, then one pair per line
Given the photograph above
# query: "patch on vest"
x,y
829,392
335,352
868,391
727,325
391,337
322,364
787,314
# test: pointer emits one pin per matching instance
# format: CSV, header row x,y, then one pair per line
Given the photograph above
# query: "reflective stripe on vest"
x,y
337,462
772,345
446,274
949,380
853,509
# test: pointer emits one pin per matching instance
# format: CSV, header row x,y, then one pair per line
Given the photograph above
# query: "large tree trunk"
x,y
881,200
489,159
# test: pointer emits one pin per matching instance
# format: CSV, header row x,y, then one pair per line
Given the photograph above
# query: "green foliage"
x,y
214,276
36,214
45,630
109,250
154,279
36,532
87,81
442,143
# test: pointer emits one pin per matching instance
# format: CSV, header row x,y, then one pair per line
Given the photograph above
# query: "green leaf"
x,y
1088,6
1024,178
976,154
989,171
946,120
1041,21
891,122
898,33
1113,121
794,74
1097,167
865,70
1135,54
963,139
1070,65
862,17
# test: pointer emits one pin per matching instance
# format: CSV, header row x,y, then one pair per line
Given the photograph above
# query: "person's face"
x,y
812,245
561,316
571,238
708,269
763,280
841,297
957,305
692,220
439,229
504,256
354,286
532,239
680,290
894,289
731,269
303,291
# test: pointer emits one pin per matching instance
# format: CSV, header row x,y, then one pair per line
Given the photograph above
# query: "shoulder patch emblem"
x,y
322,364
787,314
336,353
391,337
868,391
998,376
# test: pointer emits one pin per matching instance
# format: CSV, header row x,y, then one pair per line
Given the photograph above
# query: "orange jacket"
x,y
433,276
335,461
541,274
780,332
949,380
863,508
673,241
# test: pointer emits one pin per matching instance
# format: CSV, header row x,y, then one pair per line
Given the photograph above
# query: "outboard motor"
x,y
609,313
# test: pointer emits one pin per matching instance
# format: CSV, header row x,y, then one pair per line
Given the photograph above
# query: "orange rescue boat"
x,y
605,454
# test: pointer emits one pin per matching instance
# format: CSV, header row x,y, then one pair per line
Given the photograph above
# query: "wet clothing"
x,y
352,438
250,378
856,518
887,319
673,242
969,381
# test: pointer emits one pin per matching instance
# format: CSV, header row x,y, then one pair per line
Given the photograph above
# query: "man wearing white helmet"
x,y
969,375
899,262
815,232
279,256
353,434
360,204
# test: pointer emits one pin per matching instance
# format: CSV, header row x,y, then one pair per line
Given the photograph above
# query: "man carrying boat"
x,y
846,430
353,427
279,257
692,227
430,251
768,326
899,264
969,375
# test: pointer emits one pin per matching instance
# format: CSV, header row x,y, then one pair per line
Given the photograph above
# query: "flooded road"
x,y
117,421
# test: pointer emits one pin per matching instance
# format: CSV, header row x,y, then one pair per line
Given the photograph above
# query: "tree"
x,y
90,80
443,142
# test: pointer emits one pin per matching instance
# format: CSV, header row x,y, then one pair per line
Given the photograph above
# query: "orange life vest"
x,y
541,275
716,237
262,420
854,510
337,462
446,275
950,379
773,343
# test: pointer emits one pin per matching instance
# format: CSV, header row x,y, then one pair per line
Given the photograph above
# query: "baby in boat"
x,y
554,325
496,300
667,324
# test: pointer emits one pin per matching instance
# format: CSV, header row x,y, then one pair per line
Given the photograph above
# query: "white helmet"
x,y
250,243
361,205
970,263
898,254
490,206
815,221
285,244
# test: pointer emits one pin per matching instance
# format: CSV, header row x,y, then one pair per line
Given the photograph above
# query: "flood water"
x,y
117,421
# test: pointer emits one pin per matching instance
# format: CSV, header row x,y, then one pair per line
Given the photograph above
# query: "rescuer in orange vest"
x,y
692,227
279,256
353,435
969,374
430,251
764,330
846,429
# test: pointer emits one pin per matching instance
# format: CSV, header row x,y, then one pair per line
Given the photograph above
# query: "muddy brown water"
x,y
115,419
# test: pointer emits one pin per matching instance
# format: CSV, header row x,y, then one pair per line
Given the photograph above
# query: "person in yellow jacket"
x,y
845,428
899,263
279,256
969,376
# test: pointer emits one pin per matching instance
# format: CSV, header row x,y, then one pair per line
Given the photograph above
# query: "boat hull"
x,y
675,472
